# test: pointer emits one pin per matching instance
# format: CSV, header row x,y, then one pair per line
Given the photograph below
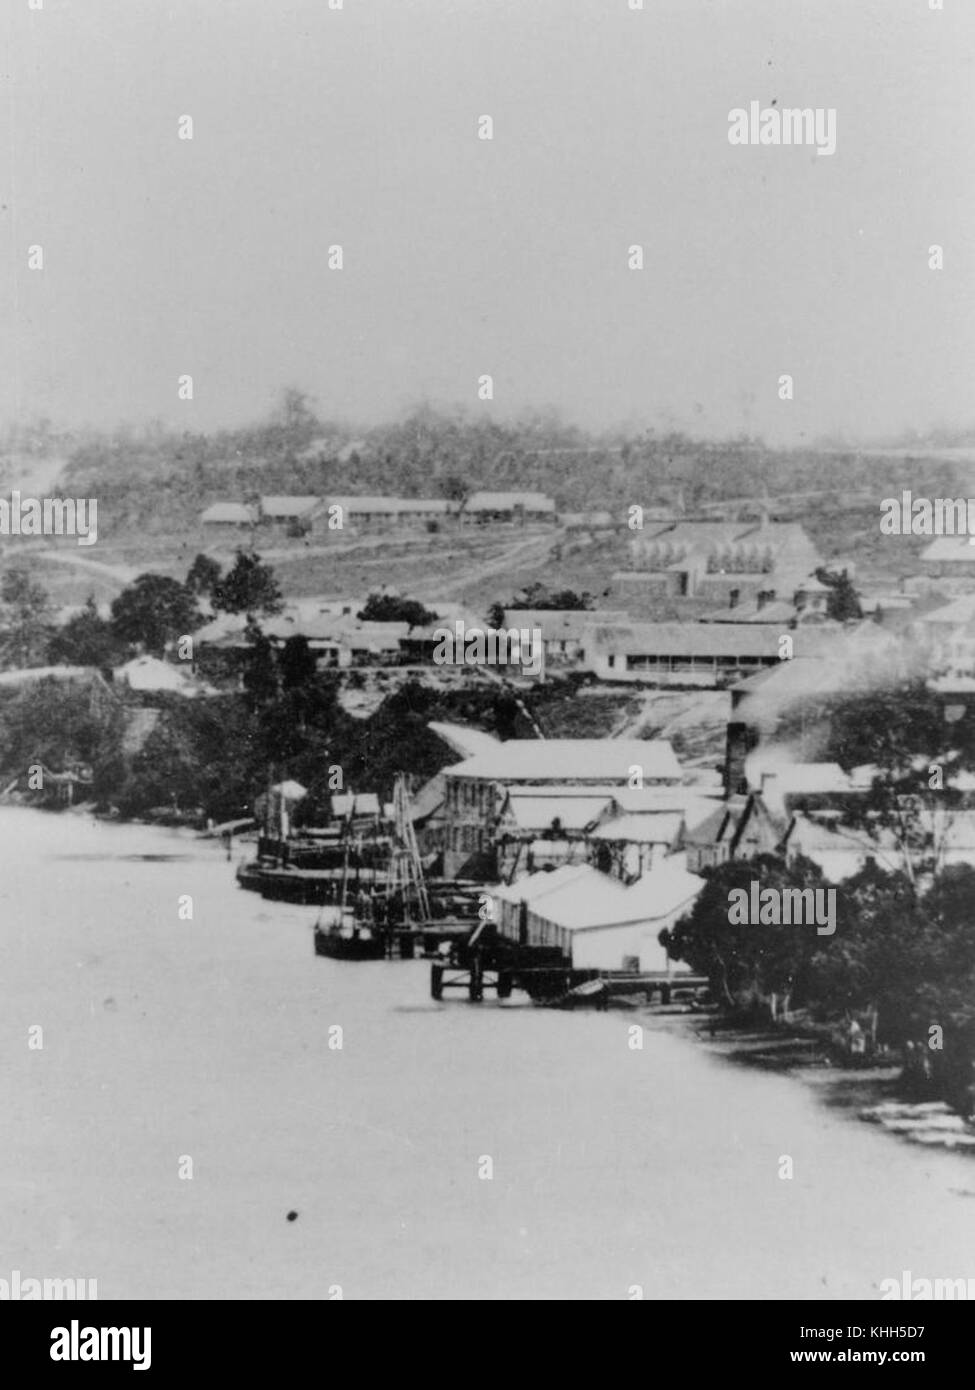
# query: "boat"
x,y
339,935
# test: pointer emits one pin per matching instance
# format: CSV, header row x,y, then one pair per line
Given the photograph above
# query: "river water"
x,y
167,1040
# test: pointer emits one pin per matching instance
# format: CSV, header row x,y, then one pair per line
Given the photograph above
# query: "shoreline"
x,y
871,1093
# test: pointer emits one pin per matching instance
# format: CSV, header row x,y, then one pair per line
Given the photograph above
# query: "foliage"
x,y
248,587
87,639
153,611
203,575
388,608
24,619
538,595
842,603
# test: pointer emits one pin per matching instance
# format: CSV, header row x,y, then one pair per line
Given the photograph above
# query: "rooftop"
x,y
685,639
288,506
530,812
572,759
232,512
505,501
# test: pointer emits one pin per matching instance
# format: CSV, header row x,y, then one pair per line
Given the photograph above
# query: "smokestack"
x,y
739,742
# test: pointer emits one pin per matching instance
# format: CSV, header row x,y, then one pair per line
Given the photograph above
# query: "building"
x,y
539,827
593,920
520,507
741,828
949,557
563,630
387,513
293,516
729,561
148,673
643,825
476,787
702,654
229,516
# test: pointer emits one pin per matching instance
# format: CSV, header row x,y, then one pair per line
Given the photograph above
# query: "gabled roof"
x,y
954,549
463,740
958,613
429,799
535,886
656,828
594,900
572,759
740,818
234,513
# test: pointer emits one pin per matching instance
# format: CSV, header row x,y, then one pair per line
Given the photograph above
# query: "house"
x,y
839,852
563,631
741,828
724,560
701,654
384,513
477,786
294,516
593,920
229,516
788,787
643,825
148,673
949,557
521,507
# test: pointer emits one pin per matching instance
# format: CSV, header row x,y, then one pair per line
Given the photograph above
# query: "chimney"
x,y
739,742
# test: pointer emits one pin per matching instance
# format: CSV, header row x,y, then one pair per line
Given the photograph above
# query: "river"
x,y
167,1040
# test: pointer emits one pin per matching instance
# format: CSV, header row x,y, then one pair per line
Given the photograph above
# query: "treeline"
x,y
901,960
159,480
209,758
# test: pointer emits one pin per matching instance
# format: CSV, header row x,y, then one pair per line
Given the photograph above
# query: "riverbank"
x,y
874,1092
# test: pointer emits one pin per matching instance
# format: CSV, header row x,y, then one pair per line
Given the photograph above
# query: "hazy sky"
x,y
358,126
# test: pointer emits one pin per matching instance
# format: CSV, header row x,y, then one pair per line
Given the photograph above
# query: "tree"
x,y
387,608
152,611
248,587
298,663
203,575
454,488
87,639
261,674
745,964
24,623
842,603
538,595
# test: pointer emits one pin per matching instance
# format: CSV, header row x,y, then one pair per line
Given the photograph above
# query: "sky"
x,y
463,257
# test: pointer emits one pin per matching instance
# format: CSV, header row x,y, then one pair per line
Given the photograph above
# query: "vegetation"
x,y
154,611
538,595
388,608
